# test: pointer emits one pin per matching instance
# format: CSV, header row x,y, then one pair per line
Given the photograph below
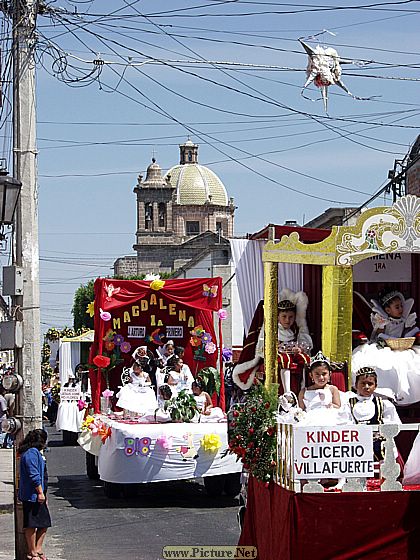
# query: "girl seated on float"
x,y
366,407
178,378
321,400
398,370
137,395
204,403
164,394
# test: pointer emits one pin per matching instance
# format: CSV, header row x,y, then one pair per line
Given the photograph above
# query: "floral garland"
x,y
52,334
252,431
96,427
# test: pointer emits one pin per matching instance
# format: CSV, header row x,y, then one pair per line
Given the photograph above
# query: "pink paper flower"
x,y
223,314
107,393
105,315
81,404
164,441
211,348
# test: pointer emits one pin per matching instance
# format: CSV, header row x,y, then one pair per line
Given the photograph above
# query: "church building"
x,y
181,217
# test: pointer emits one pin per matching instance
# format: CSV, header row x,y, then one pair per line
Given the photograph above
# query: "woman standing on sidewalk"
x,y
32,492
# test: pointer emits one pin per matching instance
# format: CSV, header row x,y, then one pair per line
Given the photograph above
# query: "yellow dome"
x,y
196,184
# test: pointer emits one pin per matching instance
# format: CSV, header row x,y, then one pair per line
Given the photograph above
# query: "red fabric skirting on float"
x,y
284,525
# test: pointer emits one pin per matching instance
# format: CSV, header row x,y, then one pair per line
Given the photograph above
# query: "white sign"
x,y
174,332
389,267
70,393
136,332
333,452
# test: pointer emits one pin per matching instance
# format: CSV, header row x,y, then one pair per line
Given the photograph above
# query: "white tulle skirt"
x,y
137,399
396,370
412,466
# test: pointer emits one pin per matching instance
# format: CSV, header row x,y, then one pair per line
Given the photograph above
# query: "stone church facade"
x,y
180,216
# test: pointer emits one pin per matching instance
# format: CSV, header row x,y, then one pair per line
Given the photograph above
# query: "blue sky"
x,y
96,138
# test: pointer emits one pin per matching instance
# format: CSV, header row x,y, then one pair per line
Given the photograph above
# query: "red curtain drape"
x,y
200,296
284,525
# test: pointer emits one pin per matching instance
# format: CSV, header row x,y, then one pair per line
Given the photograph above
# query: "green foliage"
x,y
83,296
211,380
182,408
52,334
252,429
45,353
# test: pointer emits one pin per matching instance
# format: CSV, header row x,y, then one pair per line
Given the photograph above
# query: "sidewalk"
x,y
7,546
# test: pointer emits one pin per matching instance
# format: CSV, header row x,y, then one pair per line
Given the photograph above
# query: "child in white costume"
x,y
137,395
397,370
321,400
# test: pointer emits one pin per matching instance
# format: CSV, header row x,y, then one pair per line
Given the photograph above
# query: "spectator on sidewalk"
x,y
32,492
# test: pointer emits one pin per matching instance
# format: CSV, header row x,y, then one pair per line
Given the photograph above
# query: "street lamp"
x,y
9,194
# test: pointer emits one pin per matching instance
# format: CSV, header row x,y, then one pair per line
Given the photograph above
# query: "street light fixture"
x,y
9,194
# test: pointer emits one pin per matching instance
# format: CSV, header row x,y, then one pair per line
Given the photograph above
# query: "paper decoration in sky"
x,y
324,70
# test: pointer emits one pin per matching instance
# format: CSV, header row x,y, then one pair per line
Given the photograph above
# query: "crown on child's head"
x,y
388,295
319,358
286,305
365,371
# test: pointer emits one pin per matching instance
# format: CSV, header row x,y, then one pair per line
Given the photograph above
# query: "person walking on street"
x,y
32,492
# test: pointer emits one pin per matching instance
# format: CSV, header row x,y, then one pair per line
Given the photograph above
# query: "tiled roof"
x,y
194,183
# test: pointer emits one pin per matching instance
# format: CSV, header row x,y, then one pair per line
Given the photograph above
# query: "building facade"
x,y
179,216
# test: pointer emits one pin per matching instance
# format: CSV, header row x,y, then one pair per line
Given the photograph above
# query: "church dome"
x,y
195,183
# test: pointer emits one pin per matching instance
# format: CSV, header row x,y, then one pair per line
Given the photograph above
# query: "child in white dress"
x,y
137,395
320,400
396,370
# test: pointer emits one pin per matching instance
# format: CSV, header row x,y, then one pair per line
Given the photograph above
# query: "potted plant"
x,y
211,380
182,408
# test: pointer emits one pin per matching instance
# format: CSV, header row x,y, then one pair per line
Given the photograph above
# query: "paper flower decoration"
x,y
109,335
101,361
211,348
118,339
206,337
105,316
109,345
164,441
227,354
223,314
91,309
195,341
87,423
150,277
211,442
81,404
157,284
125,347
198,331
107,393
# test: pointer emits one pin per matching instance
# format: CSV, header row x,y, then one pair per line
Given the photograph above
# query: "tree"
x,y
83,296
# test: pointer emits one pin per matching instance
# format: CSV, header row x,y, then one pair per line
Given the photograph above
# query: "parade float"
x,y
289,514
176,442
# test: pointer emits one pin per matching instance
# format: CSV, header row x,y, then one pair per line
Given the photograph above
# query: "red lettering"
x,y
354,435
325,436
310,437
335,436
299,468
345,436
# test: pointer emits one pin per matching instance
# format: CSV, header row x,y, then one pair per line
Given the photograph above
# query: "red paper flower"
x,y
101,361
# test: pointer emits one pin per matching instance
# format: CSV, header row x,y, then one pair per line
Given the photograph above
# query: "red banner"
x,y
132,313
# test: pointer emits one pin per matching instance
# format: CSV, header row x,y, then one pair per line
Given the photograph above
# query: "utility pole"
x,y
26,306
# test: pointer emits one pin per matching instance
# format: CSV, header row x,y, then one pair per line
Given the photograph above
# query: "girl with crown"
x,y
397,370
294,342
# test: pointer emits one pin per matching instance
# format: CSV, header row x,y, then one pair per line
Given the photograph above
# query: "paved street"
x,y
87,525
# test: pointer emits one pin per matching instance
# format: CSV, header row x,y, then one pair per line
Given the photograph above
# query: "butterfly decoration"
x,y
111,291
209,291
155,337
